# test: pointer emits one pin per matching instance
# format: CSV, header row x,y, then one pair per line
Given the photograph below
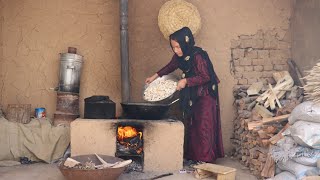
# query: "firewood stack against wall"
x,y
262,113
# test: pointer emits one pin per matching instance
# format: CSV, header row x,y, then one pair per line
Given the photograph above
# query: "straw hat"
x,y
176,14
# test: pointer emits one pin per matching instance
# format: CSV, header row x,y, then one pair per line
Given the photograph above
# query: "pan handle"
x,y
173,102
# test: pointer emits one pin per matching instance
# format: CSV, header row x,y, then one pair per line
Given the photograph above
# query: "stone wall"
x,y
256,57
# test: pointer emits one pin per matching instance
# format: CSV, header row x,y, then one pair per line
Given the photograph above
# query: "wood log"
x,y
252,125
278,136
296,74
122,164
255,88
265,113
269,168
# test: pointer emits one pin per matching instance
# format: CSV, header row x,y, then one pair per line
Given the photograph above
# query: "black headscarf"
x,y
188,95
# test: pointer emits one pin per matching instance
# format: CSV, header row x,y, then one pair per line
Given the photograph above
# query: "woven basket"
x,y
176,14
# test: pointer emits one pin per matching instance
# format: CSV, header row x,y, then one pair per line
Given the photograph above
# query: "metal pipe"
x,y
124,50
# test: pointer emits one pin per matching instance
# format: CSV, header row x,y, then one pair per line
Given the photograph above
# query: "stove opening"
x,y
130,145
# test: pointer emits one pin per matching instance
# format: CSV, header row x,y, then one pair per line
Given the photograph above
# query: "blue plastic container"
x,y
40,112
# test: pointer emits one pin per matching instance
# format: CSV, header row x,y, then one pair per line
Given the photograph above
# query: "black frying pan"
x,y
145,111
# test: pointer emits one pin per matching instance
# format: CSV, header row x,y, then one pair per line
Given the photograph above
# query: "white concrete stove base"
x,y
163,141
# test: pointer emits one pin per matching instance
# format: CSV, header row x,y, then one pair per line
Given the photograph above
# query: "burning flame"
x,y
127,132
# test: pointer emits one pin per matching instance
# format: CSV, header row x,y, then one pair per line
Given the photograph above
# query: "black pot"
x,y
145,111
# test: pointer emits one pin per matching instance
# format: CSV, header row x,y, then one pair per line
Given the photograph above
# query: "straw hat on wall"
x,y
176,14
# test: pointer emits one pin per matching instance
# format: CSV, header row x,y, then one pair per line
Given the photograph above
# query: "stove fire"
x,y
130,145
129,140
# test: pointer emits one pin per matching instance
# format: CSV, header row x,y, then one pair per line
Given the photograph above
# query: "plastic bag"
x,y
308,161
306,134
285,175
298,170
306,111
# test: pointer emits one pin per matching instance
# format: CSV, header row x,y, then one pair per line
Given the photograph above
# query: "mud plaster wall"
x,y
1,57
305,29
34,32
222,21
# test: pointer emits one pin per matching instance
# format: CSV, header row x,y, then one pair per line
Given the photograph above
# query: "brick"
x,y
252,74
284,45
258,68
242,81
280,54
263,54
268,67
235,43
248,68
270,43
280,33
279,61
259,34
280,67
245,62
258,44
238,75
267,74
251,53
246,43
236,62
252,80
253,43
256,62
239,69
237,54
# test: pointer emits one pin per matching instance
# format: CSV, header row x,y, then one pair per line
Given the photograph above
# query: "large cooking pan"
x,y
145,111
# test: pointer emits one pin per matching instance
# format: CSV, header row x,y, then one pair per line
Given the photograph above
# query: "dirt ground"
x,y
42,171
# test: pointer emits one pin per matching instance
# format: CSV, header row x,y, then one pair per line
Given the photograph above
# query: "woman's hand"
x,y
152,78
182,84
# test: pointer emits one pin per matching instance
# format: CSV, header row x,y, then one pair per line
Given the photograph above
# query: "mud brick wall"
x,y
256,57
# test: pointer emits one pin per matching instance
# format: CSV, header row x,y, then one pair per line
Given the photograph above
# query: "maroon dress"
x,y
204,138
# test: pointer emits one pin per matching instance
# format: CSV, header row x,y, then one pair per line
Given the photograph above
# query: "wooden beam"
x,y
254,124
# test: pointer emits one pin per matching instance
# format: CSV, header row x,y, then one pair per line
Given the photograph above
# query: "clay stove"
x,y
162,141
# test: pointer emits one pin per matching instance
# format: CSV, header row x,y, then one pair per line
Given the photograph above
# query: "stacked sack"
x,y
298,152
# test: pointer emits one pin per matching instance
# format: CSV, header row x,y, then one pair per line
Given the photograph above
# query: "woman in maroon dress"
x,y
198,97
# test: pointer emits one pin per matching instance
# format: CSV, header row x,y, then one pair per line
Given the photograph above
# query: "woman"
x,y
198,97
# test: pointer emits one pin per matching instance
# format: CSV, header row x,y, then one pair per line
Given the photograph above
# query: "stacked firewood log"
x,y
262,113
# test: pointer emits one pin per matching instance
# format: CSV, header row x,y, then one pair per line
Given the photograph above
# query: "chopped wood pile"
x,y
262,113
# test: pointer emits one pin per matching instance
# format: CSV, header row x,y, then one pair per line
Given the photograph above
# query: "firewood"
x,y
278,136
105,164
122,164
265,113
269,167
253,125
297,76
255,88
275,119
282,85
71,162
